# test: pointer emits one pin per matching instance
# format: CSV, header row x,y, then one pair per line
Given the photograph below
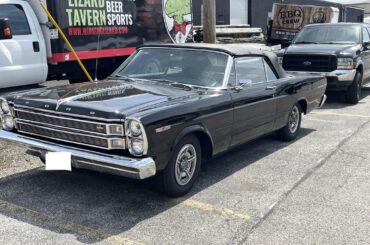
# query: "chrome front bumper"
x,y
85,159
341,75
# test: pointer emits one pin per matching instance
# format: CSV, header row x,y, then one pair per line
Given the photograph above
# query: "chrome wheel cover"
x,y
186,163
294,118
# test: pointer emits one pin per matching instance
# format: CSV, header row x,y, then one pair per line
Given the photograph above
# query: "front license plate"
x,y
58,161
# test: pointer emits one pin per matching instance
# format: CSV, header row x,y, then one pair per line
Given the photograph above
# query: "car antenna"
x,y
97,57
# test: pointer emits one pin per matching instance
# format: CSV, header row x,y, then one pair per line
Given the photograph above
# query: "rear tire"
x,y
183,168
353,94
291,129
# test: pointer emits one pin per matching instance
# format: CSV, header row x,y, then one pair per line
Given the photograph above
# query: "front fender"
x,y
359,63
189,130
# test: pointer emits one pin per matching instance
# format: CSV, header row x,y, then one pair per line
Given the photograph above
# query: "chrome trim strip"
x,y
229,67
124,166
73,119
69,114
73,142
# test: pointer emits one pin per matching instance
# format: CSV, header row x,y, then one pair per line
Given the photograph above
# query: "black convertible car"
x,y
163,112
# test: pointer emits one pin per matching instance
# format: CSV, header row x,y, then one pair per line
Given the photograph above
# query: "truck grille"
x,y
65,129
312,63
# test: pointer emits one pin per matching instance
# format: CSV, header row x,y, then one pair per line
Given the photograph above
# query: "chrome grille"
x,y
63,122
66,129
313,63
63,135
90,126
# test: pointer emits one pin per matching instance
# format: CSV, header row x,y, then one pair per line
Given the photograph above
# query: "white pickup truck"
x,y
23,50
103,33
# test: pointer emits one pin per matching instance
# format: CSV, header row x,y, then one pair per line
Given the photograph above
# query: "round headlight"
x,y
137,147
135,128
8,122
4,107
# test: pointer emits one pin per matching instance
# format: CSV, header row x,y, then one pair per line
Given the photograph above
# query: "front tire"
x,y
291,129
353,94
183,168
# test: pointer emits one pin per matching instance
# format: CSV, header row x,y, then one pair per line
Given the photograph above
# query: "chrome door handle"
x,y
270,87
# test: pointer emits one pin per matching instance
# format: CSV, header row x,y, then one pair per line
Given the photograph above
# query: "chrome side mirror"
x,y
367,45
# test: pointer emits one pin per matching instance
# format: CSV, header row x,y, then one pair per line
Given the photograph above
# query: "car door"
x,y
366,55
253,99
22,58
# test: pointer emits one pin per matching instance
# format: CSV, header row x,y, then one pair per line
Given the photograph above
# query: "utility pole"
x,y
209,21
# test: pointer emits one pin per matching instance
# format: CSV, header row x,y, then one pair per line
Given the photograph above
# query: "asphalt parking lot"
x,y
311,191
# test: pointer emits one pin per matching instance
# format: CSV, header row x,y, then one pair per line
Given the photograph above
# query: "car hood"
x,y
105,99
321,49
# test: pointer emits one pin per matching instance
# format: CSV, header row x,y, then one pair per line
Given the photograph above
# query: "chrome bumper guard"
x,y
341,75
124,166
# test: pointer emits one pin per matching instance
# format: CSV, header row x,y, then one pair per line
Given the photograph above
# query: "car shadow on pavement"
x,y
110,204
337,100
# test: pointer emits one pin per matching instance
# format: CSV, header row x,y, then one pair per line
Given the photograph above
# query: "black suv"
x,y
341,52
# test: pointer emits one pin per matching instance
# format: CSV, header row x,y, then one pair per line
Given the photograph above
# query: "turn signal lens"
x,y
117,144
116,129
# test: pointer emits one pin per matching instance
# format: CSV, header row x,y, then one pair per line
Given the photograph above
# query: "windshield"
x,y
329,35
190,67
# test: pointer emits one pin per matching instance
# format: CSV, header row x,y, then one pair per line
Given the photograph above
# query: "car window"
x,y
365,35
250,70
17,18
271,76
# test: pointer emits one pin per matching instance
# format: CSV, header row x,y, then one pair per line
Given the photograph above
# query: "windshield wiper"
x,y
174,84
305,42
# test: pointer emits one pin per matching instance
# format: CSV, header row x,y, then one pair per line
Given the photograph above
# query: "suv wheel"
x,y
353,94
291,129
183,168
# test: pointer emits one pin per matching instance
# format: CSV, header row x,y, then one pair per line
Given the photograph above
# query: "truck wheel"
x,y
353,94
291,129
183,168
